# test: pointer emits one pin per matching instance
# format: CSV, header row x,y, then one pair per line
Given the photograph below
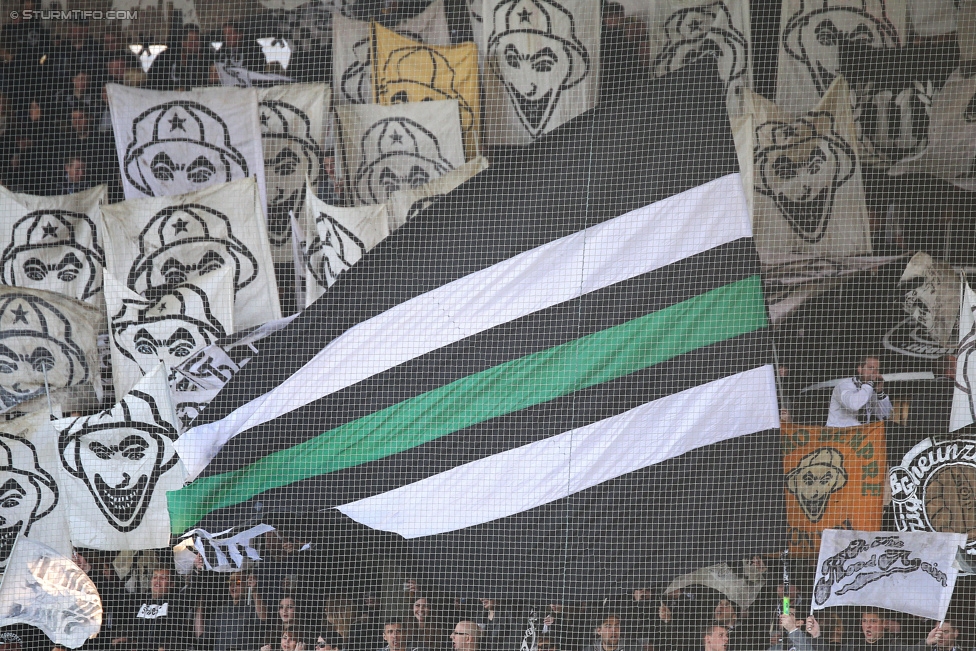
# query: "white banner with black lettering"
x,y
155,243
171,143
116,467
906,572
44,588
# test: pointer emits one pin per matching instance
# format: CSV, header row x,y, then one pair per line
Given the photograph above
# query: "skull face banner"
x,y
542,66
116,467
53,243
172,143
47,342
390,148
156,244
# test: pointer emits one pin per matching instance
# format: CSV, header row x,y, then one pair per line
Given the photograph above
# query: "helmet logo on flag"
x,y
179,147
290,156
534,50
27,491
800,165
819,475
333,250
50,250
120,454
397,153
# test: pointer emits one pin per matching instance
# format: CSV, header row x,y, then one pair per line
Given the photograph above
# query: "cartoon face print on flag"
x,y
690,31
813,34
292,133
185,319
335,239
390,148
45,337
116,467
172,143
352,51
950,152
807,194
405,70
542,66
404,205
155,244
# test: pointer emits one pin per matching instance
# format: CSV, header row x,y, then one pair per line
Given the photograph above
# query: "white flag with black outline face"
x,y
404,204
116,467
542,65
44,588
154,244
964,395
168,328
53,243
48,343
171,143
907,572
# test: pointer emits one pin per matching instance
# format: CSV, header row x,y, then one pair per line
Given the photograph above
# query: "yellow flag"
x,y
405,70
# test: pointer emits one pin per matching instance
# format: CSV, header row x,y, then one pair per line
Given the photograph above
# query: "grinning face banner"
x,y
28,492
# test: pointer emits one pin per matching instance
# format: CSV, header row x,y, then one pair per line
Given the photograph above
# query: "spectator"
x,y
184,67
860,399
609,632
162,620
427,633
498,627
236,623
329,641
798,640
873,634
715,637
466,636
75,175
396,636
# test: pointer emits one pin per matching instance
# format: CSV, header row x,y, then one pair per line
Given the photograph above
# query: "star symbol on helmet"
x,y
397,137
180,226
20,314
50,230
176,122
161,307
524,15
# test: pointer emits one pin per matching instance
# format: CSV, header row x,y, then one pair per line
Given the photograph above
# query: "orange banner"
x,y
834,480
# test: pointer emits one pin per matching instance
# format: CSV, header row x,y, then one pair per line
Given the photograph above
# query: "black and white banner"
x,y
172,143
155,243
116,467
933,296
404,204
390,148
542,66
964,395
909,572
53,243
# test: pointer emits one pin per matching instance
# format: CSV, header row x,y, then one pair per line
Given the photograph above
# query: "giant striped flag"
x,y
557,372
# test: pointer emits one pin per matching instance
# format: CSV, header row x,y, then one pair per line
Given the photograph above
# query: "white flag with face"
x,y
352,52
813,34
154,244
908,572
803,179
404,204
686,31
116,467
964,396
53,243
47,340
44,588
168,328
542,66
390,148
172,143
31,503
293,135
950,151
335,239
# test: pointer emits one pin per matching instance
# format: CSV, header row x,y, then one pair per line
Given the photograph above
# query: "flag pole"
x,y
784,635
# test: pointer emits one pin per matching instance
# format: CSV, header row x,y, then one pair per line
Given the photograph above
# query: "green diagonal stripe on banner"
x,y
715,316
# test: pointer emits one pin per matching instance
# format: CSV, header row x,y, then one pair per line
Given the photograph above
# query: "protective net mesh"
x,y
487,325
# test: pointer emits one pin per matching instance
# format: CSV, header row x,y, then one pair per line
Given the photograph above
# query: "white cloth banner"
x,y
47,339
226,551
155,243
44,588
964,395
686,31
166,328
812,35
335,239
116,467
29,456
933,297
909,572
352,52
240,77
389,148
172,143
542,66
404,204
53,243
803,179
293,135
741,586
